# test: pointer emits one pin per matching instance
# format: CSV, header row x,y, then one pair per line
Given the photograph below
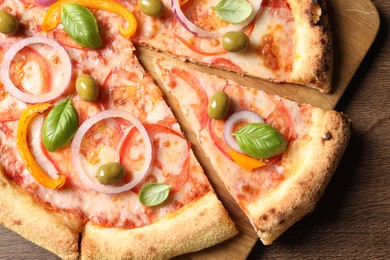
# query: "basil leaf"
x,y
59,126
153,194
81,25
233,11
260,140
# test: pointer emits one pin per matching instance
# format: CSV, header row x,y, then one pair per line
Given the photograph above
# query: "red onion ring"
x,y
45,3
191,27
31,98
244,115
76,143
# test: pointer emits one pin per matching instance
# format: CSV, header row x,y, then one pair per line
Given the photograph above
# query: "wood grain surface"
x,y
353,218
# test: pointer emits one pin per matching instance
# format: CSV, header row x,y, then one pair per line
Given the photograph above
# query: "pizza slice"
x,y
92,161
279,40
275,156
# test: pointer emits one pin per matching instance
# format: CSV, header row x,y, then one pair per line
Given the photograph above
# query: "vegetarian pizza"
x,y
275,40
274,156
93,162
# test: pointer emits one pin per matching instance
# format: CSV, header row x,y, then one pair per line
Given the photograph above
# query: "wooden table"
x,y
353,218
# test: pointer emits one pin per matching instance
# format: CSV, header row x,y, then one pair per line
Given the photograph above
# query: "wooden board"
x,y
354,24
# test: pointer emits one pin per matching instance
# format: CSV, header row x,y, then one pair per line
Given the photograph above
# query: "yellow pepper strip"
x,y
245,161
53,14
29,161
182,2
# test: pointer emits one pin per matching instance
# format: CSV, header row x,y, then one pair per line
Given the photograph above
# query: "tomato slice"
x,y
171,158
123,90
201,107
280,119
63,38
225,63
23,71
85,109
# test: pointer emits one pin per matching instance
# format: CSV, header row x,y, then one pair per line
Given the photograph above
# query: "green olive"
x,y
235,41
8,23
218,105
153,8
87,88
110,173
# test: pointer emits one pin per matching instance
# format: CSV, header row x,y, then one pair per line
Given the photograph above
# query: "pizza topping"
x,y
87,88
193,28
244,116
29,161
63,79
153,8
52,16
76,156
235,41
81,25
245,161
8,23
45,3
59,126
153,194
260,140
218,105
110,173
233,11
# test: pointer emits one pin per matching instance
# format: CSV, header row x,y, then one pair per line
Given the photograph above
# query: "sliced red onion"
x,y
76,143
55,90
45,3
241,116
191,27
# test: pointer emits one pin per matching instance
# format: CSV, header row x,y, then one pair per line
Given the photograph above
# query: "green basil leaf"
x,y
233,11
153,194
59,126
260,140
81,25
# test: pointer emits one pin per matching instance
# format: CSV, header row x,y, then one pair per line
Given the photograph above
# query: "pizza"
x,y
275,156
287,40
92,161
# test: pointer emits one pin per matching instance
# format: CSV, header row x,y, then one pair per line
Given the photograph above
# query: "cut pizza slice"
x,y
92,161
279,40
275,156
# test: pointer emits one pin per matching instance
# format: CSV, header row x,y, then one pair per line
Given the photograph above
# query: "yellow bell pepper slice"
x,y
245,161
53,14
29,161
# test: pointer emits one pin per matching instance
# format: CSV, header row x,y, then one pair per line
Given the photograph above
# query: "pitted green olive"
x,y
153,8
87,88
8,23
110,173
235,41
218,105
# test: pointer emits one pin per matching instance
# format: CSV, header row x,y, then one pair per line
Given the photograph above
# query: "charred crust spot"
x,y
17,222
316,12
272,211
262,230
327,136
281,221
264,217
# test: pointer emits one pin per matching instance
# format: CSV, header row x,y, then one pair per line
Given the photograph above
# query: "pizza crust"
x,y
197,225
313,64
56,232
298,194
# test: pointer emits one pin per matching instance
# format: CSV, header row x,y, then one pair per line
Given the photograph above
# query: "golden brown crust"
x,y
56,232
198,225
313,65
298,195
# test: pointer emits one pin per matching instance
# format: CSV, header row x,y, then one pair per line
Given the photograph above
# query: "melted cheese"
x,y
121,210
